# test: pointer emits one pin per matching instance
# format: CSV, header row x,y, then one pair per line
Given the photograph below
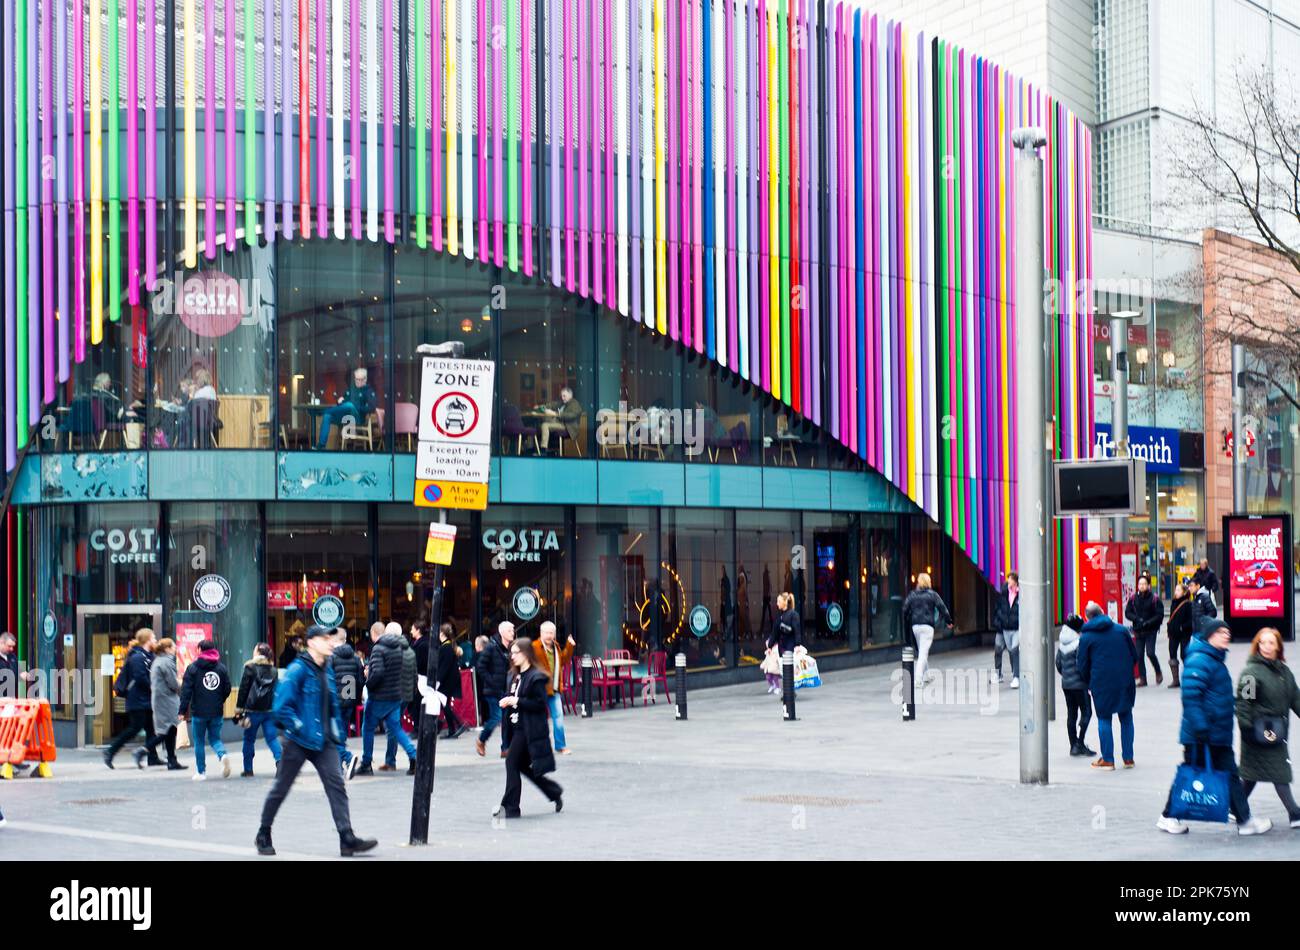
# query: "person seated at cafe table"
x,y
562,418
355,404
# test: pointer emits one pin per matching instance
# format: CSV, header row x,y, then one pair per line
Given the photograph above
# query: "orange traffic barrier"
x,y
26,732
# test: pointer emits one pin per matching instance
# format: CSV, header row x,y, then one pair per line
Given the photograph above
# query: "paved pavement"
x,y
848,780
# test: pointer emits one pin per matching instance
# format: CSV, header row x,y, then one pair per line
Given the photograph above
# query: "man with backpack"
x,y
132,684
386,682
256,696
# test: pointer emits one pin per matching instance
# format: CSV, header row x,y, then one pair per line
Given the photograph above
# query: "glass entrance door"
x,y
104,635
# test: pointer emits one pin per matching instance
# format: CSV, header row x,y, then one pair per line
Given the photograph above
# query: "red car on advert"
x,y
1258,575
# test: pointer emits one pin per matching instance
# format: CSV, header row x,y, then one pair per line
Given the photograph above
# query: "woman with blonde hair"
x,y
1266,696
922,611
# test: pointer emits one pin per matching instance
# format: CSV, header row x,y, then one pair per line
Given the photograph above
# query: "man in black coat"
x,y
384,686
1006,621
133,685
1145,612
1206,577
492,666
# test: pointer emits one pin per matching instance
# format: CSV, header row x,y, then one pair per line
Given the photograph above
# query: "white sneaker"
x,y
199,777
1015,682
1294,824
1172,825
1254,826
225,766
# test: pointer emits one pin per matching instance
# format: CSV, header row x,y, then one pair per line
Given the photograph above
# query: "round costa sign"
x,y
834,618
455,415
211,304
212,593
526,603
327,611
701,620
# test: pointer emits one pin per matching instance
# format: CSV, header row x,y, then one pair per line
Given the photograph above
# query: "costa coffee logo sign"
x,y
512,546
132,546
211,303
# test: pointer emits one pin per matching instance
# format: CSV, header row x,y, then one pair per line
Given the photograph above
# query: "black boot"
x,y
350,844
174,766
263,841
1173,675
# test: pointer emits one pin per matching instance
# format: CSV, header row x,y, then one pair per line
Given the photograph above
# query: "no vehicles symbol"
x,y
455,415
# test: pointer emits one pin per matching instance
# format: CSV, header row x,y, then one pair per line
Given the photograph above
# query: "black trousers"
x,y
326,762
519,763
1078,707
1283,793
1221,760
167,740
450,718
137,719
1178,649
1147,648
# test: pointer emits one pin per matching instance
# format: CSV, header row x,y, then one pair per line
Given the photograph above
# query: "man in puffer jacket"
x,y
384,685
1209,719
409,687
1078,706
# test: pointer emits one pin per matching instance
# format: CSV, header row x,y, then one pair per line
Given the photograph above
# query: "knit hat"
x,y
1209,626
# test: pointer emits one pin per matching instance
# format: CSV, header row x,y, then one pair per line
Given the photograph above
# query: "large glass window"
x,y
765,546
524,577
333,346
405,581
101,406
828,606
437,298
315,551
615,607
211,344
883,579
1175,365
641,400
544,382
224,539
697,572
726,415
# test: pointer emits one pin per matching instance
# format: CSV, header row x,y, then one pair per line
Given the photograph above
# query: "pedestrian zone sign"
x,y
455,431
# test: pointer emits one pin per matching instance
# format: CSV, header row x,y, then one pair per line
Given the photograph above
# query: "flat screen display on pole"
x,y
1257,580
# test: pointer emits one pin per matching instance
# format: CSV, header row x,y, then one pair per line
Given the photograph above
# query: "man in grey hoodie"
x,y
1078,706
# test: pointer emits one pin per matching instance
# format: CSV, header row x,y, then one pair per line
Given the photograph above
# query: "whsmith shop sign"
x,y
1159,448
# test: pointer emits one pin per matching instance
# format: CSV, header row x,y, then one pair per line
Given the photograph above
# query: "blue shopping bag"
x,y
1200,793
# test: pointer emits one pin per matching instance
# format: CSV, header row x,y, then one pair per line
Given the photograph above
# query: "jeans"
x,y
1107,736
556,706
206,731
1221,760
137,719
1008,641
325,760
263,721
518,764
1146,644
924,634
493,720
1078,707
343,410
389,712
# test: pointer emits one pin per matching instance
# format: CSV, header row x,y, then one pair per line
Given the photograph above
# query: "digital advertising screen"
x,y
1257,570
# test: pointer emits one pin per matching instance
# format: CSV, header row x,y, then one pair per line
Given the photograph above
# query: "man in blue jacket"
x,y
1209,716
1105,662
307,710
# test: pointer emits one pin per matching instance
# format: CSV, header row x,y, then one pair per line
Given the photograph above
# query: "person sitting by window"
x,y
202,411
564,417
355,404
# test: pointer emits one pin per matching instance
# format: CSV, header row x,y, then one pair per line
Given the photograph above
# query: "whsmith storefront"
x,y
740,347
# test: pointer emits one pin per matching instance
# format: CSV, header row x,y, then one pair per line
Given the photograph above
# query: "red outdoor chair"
x,y
568,686
603,681
622,675
657,672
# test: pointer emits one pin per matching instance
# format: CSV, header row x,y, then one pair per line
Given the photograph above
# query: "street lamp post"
x,y
1238,428
1031,459
1119,323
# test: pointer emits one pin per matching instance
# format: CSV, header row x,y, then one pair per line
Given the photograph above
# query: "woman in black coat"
x,y
1179,631
527,732
448,677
